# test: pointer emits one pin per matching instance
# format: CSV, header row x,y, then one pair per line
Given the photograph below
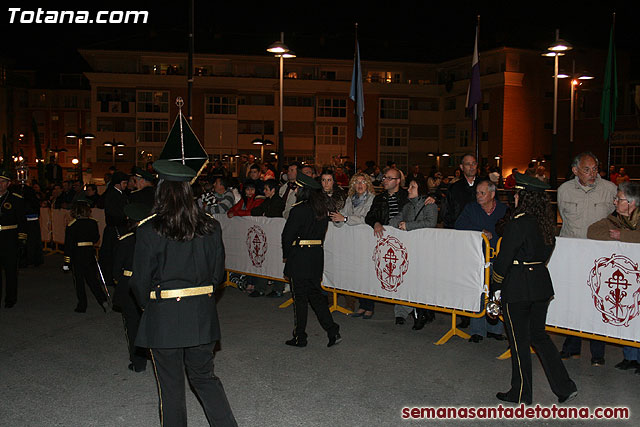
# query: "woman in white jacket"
x,y
356,207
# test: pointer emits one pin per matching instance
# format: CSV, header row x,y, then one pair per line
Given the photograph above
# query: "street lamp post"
x,y
576,80
113,144
80,138
281,51
555,50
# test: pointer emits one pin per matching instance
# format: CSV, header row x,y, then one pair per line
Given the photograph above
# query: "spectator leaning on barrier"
x,y
219,199
461,192
582,201
249,201
273,205
482,215
622,225
335,195
415,214
287,190
384,207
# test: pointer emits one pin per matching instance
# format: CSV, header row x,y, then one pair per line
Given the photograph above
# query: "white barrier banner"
x,y
597,287
253,245
430,266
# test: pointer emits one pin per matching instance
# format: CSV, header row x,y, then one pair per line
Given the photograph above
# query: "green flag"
x,y
609,91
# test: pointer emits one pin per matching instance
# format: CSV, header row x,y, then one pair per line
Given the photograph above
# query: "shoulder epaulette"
x,y
207,213
297,203
18,195
146,219
125,236
519,215
71,222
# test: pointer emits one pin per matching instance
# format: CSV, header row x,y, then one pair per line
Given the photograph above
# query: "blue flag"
x,y
356,93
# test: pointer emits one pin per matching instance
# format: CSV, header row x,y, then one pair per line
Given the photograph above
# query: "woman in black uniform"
x,y
177,264
521,274
302,239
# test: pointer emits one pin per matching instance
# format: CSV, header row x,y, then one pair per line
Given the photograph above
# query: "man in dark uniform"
x,y
123,297
114,203
520,274
13,233
33,249
145,192
175,273
302,239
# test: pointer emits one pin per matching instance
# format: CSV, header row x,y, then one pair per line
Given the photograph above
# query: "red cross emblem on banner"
x,y
391,261
256,245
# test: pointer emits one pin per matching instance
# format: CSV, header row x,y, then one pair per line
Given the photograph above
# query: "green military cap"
x,y
530,183
137,211
173,170
82,198
141,173
4,174
303,180
119,176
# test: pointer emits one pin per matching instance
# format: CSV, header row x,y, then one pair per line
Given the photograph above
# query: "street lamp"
x,y
280,50
556,49
79,138
437,155
576,80
113,144
262,143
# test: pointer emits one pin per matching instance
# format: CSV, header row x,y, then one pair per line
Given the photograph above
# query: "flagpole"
x,y
475,107
611,98
355,110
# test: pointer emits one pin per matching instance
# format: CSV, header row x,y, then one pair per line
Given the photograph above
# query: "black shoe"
x,y
476,339
564,355
295,342
357,314
9,304
568,398
419,322
134,368
627,364
274,294
597,361
506,398
336,339
399,320
497,337
464,323
256,294
79,309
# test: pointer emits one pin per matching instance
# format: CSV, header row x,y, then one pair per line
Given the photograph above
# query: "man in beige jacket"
x,y
582,201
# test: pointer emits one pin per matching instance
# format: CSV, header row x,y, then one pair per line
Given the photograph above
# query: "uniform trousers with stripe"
x,y
169,365
525,322
87,270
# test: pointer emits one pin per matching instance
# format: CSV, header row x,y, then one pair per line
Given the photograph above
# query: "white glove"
x,y
65,268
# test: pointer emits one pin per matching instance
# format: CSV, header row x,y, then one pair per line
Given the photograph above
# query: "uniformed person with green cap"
x,y
520,274
302,239
80,237
123,297
145,191
177,264
13,229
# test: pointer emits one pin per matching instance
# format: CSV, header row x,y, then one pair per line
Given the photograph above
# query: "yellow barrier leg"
x,y
228,282
335,307
454,331
286,304
507,354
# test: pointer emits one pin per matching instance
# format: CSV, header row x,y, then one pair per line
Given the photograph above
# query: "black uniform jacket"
x,y
123,262
303,262
81,230
379,211
114,203
12,212
522,281
271,207
146,196
163,264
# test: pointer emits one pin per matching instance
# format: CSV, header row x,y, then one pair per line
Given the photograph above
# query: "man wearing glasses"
x,y
582,201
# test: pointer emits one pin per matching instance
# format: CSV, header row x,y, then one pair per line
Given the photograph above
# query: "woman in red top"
x,y
249,201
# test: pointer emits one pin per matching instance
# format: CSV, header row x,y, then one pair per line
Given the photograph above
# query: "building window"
x,y
425,104
256,99
384,77
152,130
332,107
400,159
331,135
464,138
153,101
255,127
625,155
394,108
327,75
70,101
450,103
449,131
617,155
298,101
394,136
485,136
220,104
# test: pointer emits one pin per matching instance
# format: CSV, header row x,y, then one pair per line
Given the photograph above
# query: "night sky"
x,y
421,31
